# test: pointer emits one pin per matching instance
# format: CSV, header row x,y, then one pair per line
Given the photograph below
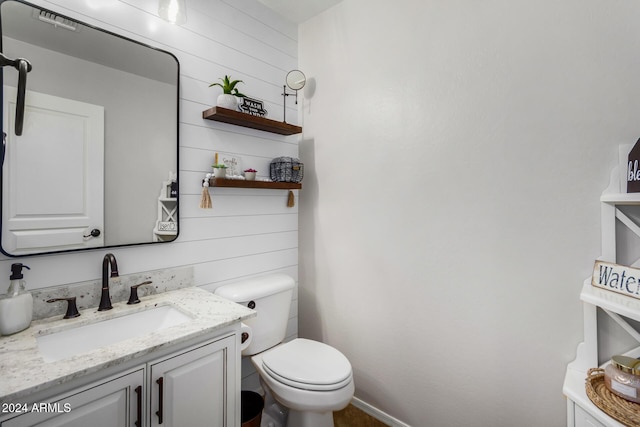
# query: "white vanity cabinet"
x,y
191,387
117,401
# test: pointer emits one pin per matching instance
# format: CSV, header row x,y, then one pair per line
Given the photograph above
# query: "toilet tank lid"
x,y
256,287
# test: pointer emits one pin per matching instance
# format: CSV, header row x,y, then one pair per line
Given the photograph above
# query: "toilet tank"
x,y
271,295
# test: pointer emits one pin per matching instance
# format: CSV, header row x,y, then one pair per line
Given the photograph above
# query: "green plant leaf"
x,y
228,86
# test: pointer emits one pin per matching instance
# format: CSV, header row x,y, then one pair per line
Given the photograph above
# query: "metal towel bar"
x,y
23,66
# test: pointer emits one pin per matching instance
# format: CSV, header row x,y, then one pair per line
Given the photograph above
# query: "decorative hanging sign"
x,y
633,169
253,107
617,278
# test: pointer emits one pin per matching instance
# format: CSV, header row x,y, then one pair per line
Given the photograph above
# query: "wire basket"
x,y
286,169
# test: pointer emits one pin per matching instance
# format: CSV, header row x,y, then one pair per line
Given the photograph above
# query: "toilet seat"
x,y
308,365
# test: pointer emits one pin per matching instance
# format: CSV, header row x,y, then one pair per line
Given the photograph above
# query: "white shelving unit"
x,y
581,412
166,228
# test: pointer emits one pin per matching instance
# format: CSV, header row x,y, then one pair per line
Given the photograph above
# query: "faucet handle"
x,y
133,297
72,308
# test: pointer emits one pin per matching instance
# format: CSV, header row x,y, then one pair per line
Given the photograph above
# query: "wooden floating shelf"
x,y
237,118
242,183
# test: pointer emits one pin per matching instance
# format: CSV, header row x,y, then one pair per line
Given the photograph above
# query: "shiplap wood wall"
x,y
248,232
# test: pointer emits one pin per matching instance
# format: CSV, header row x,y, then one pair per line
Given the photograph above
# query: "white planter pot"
x,y
228,101
250,176
219,172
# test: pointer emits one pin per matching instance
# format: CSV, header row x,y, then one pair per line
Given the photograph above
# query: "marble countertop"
x,y
23,371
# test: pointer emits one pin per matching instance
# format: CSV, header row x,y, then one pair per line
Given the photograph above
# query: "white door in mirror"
x,y
53,201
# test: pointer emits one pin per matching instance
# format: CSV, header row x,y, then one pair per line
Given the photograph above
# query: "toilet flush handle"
x,y
245,336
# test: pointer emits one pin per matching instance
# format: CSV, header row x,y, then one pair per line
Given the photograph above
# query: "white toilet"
x,y
309,378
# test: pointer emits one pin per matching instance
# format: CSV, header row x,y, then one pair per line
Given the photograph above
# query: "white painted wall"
x,y
248,232
455,152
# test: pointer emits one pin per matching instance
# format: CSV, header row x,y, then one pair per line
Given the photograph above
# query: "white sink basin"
x,y
70,342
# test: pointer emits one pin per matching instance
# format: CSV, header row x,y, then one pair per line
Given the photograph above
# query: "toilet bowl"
x,y
311,379
308,377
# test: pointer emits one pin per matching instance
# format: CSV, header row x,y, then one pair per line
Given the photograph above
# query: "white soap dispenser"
x,y
16,306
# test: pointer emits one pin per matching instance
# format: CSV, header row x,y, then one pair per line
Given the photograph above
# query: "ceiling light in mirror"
x,y
174,11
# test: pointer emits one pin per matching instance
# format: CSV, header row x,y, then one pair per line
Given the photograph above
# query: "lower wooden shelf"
x,y
242,183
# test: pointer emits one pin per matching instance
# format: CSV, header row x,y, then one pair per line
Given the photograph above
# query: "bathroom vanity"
x,y
181,369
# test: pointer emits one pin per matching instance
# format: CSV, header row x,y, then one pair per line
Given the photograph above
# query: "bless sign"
x,y
633,169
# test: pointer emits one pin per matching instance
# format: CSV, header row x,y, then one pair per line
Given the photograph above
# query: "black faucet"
x,y
108,261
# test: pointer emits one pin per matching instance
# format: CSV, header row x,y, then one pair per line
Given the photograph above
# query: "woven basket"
x,y
628,413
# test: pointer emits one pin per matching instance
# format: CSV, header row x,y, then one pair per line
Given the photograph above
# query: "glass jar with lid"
x,y
622,377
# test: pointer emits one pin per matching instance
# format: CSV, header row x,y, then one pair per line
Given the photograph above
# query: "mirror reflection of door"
x,y
53,175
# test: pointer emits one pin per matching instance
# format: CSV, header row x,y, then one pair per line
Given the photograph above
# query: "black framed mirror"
x,y
96,164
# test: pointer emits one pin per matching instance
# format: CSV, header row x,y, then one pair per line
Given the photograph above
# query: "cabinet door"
x,y
115,403
583,419
195,388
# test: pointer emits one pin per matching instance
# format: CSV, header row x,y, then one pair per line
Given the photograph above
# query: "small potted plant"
x,y
229,97
219,170
250,174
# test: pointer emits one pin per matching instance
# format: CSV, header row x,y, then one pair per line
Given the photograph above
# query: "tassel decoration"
x,y
205,200
291,201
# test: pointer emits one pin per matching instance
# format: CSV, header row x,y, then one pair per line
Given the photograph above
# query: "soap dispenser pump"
x,y
16,306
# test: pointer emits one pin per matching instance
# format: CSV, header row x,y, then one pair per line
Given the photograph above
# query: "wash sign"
x,y
616,278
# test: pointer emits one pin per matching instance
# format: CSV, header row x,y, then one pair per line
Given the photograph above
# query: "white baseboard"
x,y
377,413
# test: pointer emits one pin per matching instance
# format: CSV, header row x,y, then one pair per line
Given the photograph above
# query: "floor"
x,y
354,417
